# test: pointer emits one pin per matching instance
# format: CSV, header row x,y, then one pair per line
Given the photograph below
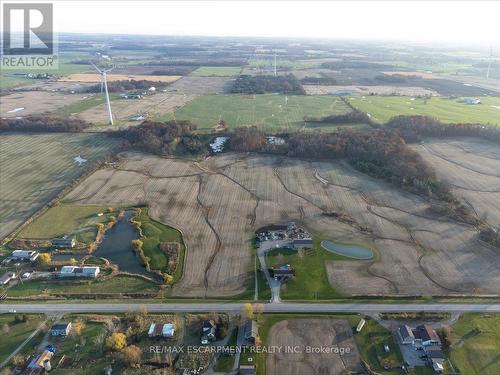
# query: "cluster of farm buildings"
x,y
18,257
425,339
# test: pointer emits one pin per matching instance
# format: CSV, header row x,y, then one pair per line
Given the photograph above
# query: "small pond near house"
x,y
350,251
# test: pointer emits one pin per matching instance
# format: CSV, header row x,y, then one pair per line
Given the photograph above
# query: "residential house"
x,y
161,330
7,277
301,243
60,329
74,271
406,335
25,255
207,331
38,364
282,272
64,242
425,335
251,332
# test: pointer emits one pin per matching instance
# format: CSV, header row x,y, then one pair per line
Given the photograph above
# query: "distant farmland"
x,y
35,168
216,71
268,111
383,108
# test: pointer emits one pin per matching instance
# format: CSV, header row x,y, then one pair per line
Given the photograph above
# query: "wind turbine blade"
x,y
96,68
110,114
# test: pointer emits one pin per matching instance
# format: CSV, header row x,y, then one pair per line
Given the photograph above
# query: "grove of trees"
x,y
163,138
288,84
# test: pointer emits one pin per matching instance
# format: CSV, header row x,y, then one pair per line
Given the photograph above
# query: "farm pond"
x,y
117,247
350,251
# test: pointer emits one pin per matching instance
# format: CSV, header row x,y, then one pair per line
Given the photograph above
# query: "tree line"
x,y
414,128
247,84
43,124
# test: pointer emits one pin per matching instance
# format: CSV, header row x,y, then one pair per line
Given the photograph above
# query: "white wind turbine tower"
x,y
104,82
489,63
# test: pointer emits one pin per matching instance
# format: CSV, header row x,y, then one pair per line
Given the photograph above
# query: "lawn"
x,y
311,280
216,71
85,351
383,108
155,233
80,106
70,219
114,285
476,344
17,332
268,111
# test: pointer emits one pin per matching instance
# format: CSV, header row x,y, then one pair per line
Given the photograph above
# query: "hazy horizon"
x,y
466,22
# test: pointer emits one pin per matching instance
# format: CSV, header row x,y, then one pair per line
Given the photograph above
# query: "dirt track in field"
x,y
313,333
218,204
125,109
35,102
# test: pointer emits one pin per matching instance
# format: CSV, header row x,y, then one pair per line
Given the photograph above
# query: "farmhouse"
x,y
60,329
406,335
7,277
251,332
25,255
73,271
207,331
425,335
282,272
301,243
63,242
161,330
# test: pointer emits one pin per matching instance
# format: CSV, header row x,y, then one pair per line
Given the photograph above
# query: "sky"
x,y
456,22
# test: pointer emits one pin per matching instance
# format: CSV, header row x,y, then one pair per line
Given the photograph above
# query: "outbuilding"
x,y
60,329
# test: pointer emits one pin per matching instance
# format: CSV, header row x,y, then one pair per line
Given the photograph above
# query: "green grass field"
x,y
17,332
155,233
267,111
75,220
476,344
383,108
116,285
311,280
216,71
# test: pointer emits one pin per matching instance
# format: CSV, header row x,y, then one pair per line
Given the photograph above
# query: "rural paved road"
x,y
288,307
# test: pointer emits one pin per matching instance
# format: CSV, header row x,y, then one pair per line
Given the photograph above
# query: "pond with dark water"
x,y
117,247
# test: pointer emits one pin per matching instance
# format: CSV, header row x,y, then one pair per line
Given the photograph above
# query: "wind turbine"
x,y
275,65
104,82
489,64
